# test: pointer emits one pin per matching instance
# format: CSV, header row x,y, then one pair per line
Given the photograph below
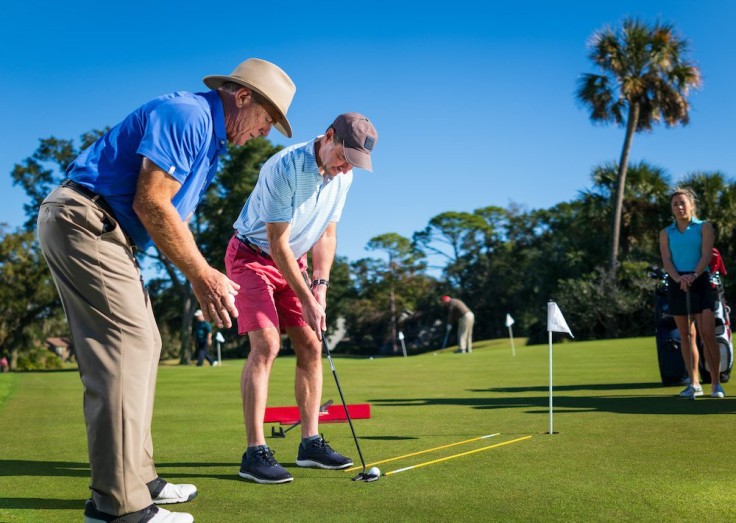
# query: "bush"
x,y
39,358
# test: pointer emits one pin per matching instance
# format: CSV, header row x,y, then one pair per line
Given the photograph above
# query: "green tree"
x,y
29,305
386,292
645,201
645,79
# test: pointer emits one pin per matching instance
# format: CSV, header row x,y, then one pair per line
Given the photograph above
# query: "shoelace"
x,y
322,444
267,456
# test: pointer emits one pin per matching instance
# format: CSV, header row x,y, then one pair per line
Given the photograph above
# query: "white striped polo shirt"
x,y
290,189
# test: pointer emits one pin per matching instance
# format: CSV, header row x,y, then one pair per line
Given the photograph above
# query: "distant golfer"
x,y
135,186
458,312
202,334
293,209
686,247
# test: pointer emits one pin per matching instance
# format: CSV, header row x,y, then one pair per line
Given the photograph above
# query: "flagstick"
x,y
511,336
551,430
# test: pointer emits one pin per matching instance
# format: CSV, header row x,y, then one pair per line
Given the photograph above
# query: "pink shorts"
x,y
265,298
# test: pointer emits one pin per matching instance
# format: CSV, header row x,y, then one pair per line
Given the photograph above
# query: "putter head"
x,y
365,476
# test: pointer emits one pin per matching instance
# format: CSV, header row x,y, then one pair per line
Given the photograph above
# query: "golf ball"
x,y
374,471
232,299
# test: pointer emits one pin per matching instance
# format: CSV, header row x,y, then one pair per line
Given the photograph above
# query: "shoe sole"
x,y
168,501
718,395
262,481
316,464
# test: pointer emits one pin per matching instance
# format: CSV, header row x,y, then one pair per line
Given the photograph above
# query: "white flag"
x,y
509,320
555,321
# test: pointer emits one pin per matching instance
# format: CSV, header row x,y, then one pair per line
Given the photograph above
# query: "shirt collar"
x,y
218,117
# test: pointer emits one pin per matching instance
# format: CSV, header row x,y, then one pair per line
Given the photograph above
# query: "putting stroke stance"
x,y
686,247
135,186
294,208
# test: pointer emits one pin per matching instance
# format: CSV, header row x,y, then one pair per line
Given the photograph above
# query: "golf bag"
x,y
669,350
722,315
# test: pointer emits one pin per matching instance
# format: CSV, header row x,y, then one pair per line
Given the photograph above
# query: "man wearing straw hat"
x,y
134,187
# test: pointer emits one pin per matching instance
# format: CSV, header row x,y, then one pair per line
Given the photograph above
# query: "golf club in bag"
x,y
722,314
362,476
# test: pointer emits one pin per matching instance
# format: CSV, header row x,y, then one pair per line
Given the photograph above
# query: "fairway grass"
x,y
626,449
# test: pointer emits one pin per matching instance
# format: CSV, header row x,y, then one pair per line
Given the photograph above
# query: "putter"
x,y
447,335
363,475
690,341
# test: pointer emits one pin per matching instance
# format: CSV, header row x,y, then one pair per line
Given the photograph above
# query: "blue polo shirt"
x,y
182,133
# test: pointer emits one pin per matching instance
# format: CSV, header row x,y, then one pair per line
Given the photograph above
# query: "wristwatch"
x,y
326,283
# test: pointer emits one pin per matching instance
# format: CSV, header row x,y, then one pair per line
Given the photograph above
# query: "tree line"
x,y
590,254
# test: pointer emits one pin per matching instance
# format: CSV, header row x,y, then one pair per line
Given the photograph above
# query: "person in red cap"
x,y
293,209
458,311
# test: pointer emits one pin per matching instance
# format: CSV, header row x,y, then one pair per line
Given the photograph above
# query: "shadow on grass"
x,y
620,404
42,503
21,467
558,388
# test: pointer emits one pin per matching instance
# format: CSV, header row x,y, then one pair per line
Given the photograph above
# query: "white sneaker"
x,y
165,516
173,493
691,392
150,514
717,392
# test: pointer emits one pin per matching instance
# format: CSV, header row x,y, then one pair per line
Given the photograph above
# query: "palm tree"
x,y
645,79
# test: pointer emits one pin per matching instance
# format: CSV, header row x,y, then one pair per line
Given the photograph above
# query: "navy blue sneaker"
x,y
263,468
318,453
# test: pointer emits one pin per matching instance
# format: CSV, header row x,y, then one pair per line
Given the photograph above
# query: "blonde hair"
x,y
688,193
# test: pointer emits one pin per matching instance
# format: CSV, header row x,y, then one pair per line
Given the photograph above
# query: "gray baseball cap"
x,y
358,136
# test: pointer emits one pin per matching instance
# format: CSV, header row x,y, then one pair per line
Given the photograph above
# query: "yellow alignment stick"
x,y
424,451
456,456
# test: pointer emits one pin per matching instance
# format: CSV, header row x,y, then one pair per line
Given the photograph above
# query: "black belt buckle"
x,y
252,246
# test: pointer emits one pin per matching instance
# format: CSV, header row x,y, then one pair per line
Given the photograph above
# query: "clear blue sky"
x,y
473,101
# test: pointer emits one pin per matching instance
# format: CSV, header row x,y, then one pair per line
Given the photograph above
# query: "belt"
x,y
252,246
98,200
89,194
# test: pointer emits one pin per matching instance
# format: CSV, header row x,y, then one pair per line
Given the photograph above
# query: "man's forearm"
x,y
172,237
323,253
286,263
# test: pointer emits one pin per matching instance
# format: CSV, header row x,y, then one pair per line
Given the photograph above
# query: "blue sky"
x,y
473,101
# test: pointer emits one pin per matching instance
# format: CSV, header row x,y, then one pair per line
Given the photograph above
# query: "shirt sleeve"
x,y
174,136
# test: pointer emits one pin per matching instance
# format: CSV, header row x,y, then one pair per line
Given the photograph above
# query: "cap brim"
x,y
215,81
358,159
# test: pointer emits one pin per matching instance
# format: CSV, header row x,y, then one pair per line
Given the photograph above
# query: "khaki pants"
x,y
116,340
465,332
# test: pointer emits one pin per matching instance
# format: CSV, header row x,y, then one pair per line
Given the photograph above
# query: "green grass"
x,y
627,449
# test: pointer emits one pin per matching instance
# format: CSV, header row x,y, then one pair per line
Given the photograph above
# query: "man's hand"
x,y
314,314
320,294
215,293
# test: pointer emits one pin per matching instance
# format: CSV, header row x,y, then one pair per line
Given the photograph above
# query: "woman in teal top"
x,y
686,247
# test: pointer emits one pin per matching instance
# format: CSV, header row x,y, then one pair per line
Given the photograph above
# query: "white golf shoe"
x,y
150,514
175,493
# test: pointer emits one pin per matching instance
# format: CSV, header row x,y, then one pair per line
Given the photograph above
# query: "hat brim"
x,y
359,159
215,81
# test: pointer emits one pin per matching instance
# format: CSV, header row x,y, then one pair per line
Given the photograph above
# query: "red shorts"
x,y
265,298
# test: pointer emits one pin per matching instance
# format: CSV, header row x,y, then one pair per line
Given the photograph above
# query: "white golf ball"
x,y
374,471
232,299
